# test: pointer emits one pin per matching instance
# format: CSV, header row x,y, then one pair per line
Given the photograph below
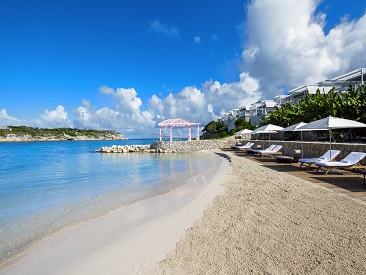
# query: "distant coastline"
x,y
24,133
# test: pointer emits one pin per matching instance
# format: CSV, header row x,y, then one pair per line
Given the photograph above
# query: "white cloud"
x,y
127,116
54,119
191,103
289,48
6,120
167,30
197,39
206,104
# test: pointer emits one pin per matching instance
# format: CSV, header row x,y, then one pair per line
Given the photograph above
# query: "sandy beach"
x,y
268,222
249,219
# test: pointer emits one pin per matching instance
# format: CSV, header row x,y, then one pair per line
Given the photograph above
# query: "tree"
x,y
214,127
350,105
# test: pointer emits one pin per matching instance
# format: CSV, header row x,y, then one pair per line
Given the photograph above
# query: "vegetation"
x,y
217,129
349,105
57,133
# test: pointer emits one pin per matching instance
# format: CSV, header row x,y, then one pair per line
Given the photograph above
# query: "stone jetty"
x,y
133,149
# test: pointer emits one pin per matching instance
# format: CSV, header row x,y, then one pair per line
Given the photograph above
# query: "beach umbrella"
x,y
245,131
330,123
293,128
270,128
267,129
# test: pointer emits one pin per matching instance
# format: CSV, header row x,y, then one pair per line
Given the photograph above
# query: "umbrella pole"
x,y
302,146
330,143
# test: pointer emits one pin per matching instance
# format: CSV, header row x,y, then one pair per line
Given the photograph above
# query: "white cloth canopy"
x,y
293,127
330,123
245,131
270,128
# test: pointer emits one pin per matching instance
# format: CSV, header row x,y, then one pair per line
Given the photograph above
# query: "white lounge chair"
x,y
257,151
275,151
353,159
328,156
243,147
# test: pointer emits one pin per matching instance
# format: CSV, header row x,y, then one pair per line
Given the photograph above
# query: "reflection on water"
x,y
46,187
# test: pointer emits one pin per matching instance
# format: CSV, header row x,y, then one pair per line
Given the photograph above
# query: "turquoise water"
x,y
46,187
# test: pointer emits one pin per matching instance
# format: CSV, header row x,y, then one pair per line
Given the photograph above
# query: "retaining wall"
x,y
310,149
194,145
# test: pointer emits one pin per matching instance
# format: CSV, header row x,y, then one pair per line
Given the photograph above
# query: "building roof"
x,y
177,122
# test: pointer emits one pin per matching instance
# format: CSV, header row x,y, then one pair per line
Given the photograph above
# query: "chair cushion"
x,y
286,159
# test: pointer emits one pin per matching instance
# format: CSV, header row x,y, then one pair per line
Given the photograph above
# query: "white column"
x,y
198,132
189,133
161,133
171,133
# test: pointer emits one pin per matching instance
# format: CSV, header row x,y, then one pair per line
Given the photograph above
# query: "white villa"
x,y
255,111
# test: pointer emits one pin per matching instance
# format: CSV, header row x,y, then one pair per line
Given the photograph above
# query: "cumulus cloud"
x,y
54,118
197,39
191,103
293,48
6,120
167,30
206,104
126,117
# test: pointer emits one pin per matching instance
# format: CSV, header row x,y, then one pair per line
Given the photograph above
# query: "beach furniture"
x,y
350,161
275,151
243,147
291,156
254,151
330,155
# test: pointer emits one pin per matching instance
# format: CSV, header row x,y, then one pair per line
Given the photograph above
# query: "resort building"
x,y
340,83
244,112
260,109
257,110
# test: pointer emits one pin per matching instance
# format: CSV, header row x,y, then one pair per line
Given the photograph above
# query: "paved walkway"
x,y
342,181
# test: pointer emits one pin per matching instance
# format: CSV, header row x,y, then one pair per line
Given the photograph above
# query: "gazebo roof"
x,y
177,122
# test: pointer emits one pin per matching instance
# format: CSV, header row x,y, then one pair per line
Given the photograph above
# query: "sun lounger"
x,y
270,148
328,156
353,159
243,147
291,156
273,152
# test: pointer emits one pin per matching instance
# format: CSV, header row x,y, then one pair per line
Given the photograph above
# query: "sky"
x,y
128,65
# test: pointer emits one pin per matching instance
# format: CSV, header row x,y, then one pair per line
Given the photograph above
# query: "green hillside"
x,y
57,133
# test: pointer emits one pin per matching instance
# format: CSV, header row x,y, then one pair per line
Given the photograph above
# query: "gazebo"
x,y
179,123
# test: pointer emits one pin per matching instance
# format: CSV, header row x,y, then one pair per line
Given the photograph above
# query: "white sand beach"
x,y
128,241
258,221
269,222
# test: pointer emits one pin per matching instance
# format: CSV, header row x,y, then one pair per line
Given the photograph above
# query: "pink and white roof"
x,y
177,122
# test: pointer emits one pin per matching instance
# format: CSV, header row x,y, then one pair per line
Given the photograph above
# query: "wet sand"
x,y
269,222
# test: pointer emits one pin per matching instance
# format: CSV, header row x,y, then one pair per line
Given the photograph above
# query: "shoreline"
x,y
147,230
270,222
51,140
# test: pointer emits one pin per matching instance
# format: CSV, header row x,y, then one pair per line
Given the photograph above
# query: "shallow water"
x,y
46,187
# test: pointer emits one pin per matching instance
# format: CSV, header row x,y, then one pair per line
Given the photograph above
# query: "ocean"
x,y
47,187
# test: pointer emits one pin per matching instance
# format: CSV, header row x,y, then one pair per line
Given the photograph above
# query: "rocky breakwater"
x,y
132,149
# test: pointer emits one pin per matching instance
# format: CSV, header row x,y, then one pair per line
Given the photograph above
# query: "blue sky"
x,y
126,65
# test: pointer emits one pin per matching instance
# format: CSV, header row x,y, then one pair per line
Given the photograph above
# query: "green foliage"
x,y
215,128
218,129
241,124
350,105
55,133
